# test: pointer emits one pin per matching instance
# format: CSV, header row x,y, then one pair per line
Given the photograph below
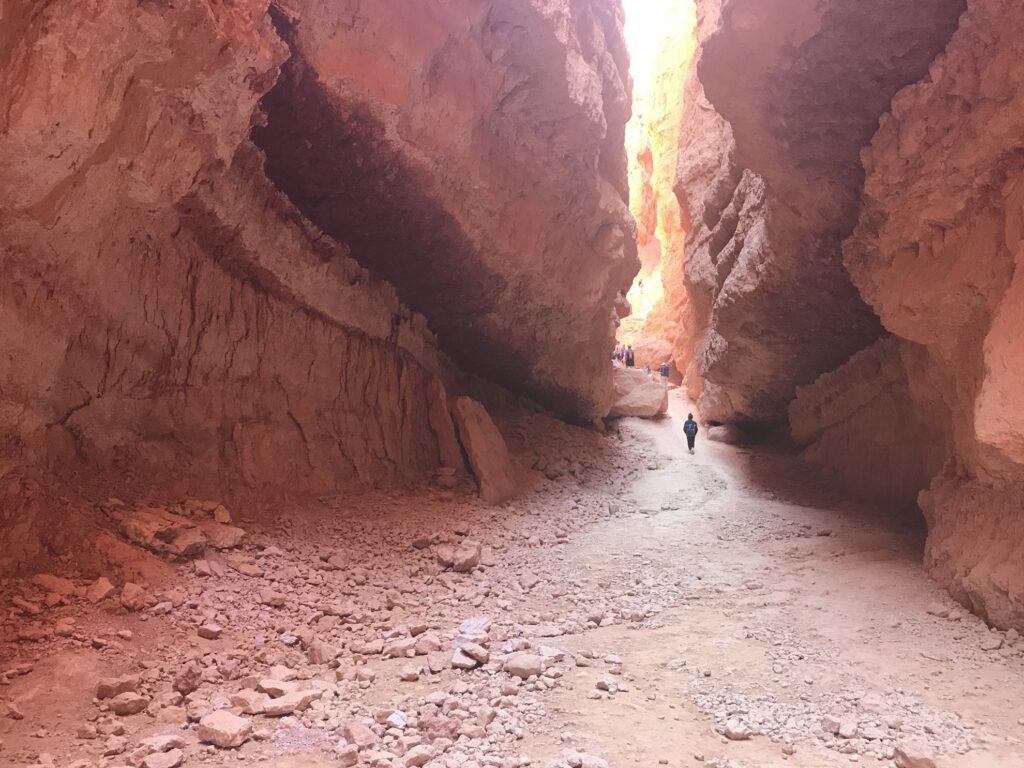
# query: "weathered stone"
x,y
224,730
524,665
637,395
486,450
109,687
128,703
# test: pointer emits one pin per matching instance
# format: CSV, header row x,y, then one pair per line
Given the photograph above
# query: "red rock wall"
x,y
665,43
938,253
168,317
931,190
479,166
771,195
179,317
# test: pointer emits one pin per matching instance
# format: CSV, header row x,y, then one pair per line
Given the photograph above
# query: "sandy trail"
x,y
733,592
794,605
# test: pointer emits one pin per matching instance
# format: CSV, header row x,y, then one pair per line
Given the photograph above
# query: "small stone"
x,y
210,631
359,734
224,730
321,652
848,729
128,704
417,756
271,598
467,556
476,652
109,687
735,730
134,597
169,759
524,665
462,660
290,703
100,590
914,755
992,643
409,673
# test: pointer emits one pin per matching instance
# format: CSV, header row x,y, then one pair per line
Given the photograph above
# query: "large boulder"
x,y
486,450
637,394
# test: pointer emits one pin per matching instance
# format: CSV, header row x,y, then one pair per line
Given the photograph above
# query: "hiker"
x,y
663,370
690,429
630,359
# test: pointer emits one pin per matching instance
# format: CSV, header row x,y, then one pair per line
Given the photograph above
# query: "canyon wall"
x,y
938,253
665,44
792,90
479,166
186,312
855,189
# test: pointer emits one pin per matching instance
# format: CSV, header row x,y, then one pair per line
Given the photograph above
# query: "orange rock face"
x,y
166,311
185,311
478,166
773,188
930,413
938,253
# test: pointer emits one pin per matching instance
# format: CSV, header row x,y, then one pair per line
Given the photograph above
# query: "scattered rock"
x,y
224,730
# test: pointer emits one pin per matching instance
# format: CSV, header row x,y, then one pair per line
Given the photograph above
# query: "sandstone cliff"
x,y
772,185
478,166
184,312
938,253
931,412
665,44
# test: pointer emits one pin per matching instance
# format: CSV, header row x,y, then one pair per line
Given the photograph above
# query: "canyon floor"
x,y
718,609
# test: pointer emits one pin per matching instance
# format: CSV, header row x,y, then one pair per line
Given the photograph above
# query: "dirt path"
x,y
672,597
788,606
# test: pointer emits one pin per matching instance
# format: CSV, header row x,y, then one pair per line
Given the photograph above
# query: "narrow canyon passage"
x,y
347,348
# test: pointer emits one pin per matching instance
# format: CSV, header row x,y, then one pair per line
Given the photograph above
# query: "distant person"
x,y
690,429
663,370
647,370
630,359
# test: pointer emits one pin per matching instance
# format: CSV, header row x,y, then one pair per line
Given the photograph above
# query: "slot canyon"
x,y
348,352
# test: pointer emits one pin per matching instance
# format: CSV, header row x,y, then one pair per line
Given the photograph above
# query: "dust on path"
x,y
733,589
788,605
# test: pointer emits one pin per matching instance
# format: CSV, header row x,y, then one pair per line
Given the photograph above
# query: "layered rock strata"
x,y
184,313
772,186
167,313
478,166
939,254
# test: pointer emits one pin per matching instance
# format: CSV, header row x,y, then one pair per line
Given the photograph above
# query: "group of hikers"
x,y
624,355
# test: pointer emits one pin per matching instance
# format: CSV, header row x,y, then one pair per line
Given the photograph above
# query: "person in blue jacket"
x,y
690,429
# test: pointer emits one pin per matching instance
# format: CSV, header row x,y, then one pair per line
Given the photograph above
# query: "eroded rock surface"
x,y
478,166
183,312
773,185
637,394
938,253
